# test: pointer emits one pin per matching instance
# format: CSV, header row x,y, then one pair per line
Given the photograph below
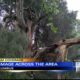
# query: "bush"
x,y
12,43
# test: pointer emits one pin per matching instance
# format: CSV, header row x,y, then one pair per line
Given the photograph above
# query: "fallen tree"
x,y
57,50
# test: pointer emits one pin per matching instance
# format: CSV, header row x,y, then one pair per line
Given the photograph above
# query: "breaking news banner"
x,y
33,64
37,65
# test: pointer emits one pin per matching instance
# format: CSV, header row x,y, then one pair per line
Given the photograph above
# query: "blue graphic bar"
x,y
38,65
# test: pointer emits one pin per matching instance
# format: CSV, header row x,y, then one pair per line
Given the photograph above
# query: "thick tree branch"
x,y
51,48
19,12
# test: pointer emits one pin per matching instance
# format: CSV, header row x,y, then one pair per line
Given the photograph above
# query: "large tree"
x,y
46,22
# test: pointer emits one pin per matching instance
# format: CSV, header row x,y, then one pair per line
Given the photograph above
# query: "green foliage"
x,y
12,43
53,28
76,34
8,75
77,28
50,6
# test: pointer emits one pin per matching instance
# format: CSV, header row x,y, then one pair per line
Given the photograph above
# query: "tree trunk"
x,y
29,34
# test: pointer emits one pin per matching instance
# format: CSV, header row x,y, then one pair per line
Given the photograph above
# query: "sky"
x,y
74,5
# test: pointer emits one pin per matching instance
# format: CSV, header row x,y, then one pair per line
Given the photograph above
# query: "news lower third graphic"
x,y
31,64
